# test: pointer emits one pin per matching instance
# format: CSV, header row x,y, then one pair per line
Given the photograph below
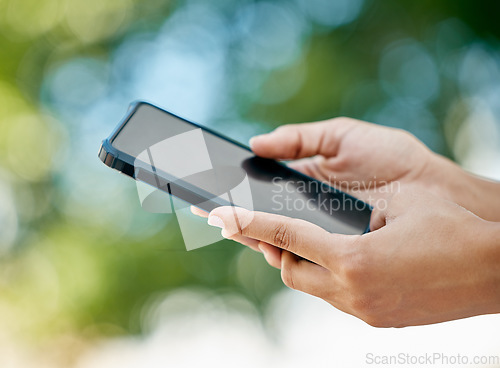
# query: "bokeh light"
x,y
86,275
333,13
30,18
94,20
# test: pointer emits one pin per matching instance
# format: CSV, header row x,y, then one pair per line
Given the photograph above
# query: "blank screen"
x,y
222,172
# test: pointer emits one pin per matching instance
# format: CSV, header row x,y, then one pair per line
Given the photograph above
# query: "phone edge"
x,y
110,156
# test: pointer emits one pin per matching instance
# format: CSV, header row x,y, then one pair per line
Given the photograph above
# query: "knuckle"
x,y
361,276
343,163
403,134
369,309
283,237
340,119
343,120
285,128
410,137
294,134
411,140
355,269
363,305
244,219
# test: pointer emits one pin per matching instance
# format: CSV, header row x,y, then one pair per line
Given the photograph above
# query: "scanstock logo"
x,y
180,168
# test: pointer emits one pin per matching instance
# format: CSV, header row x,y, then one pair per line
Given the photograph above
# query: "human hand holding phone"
x,y
372,162
428,260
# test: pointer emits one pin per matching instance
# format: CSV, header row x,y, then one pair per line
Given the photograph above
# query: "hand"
x,y
428,261
372,162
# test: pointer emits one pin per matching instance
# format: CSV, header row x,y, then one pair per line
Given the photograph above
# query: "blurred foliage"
x,y
78,254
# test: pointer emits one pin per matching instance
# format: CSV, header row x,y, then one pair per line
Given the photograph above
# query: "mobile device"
x,y
208,170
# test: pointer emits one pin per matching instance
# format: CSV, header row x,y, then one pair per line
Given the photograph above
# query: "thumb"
x,y
294,141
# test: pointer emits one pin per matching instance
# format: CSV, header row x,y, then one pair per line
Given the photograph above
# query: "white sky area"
x,y
304,332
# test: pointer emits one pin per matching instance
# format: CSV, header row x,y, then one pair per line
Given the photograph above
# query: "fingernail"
x,y
252,140
215,221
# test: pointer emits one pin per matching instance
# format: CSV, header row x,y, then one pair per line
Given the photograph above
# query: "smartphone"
x,y
206,169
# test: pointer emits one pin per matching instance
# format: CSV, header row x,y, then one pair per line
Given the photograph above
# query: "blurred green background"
x,y
78,255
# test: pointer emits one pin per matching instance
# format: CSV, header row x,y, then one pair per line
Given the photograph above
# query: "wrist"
x,y
479,195
447,180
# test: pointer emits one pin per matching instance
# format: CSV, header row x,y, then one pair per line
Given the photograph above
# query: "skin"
x,y
433,253
345,152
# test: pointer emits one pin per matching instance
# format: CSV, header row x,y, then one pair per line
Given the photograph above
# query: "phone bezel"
x,y
127,164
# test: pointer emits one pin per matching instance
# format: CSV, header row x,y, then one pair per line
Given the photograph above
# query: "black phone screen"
x,y
208,170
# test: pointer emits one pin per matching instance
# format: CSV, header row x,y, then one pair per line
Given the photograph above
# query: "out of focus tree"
x,y
78,254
